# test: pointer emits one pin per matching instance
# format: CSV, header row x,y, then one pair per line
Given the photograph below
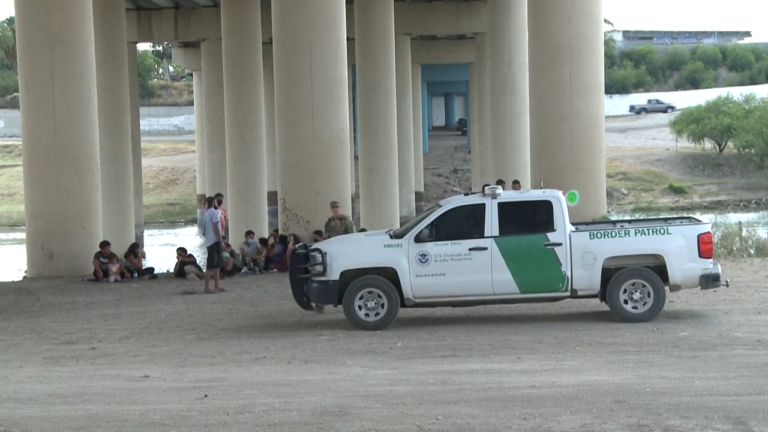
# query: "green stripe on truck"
x,y
535,269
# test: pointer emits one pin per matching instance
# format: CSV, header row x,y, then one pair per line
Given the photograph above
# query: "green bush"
x,y
610,53
751,134
147,64
737,79
625,78
619,80
675,58
644,56
715,121
709,55
759,52
695,76
759,73
677,189
9,83
739,58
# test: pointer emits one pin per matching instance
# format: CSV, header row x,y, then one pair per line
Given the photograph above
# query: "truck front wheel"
x,y
371,303
636,295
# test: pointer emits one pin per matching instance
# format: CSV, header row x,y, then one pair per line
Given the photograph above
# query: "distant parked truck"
x,y
653,105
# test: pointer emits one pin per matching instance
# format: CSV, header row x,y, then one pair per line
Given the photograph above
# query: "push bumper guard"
x,y
307,292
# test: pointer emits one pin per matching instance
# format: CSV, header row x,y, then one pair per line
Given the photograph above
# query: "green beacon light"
x,y
572,198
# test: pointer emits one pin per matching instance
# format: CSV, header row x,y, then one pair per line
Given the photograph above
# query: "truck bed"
x,y
636,223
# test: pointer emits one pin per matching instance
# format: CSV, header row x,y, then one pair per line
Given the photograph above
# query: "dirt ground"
x,y
87,356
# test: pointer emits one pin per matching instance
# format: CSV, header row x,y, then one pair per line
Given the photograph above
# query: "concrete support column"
x,y
62,180
405,160
377,105
215,130
351,99
483,114
508,78
311,111
269,135
568,153
474,129
426,103
114,123
418,132
138,186
450,109
244,109
199,91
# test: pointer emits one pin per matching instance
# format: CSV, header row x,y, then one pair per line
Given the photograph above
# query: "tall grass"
x,y
734,240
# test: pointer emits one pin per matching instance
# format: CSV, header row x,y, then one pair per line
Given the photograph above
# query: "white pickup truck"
x,y
505,247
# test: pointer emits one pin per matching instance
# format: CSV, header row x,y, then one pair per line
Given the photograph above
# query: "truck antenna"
x,y
543,158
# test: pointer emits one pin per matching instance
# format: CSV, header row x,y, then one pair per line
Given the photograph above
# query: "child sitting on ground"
x,y
114,269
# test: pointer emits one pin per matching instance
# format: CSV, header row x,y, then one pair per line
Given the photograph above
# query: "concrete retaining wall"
x,y
154,121
619,104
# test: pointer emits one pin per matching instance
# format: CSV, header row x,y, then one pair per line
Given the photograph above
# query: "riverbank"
x,y
647,172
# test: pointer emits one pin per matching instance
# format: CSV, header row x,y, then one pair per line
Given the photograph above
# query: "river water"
x,y
161,241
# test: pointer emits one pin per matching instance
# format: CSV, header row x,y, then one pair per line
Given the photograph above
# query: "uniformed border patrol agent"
x,y
339,223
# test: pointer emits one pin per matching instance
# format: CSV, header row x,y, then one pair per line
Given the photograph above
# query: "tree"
x,y
164,52
610,53
645,56
695,76
675,58
710,56
751,137
715,121
8,41
739,58
148,64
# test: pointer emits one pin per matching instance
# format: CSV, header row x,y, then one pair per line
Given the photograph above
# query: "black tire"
x,y
625,284
643,111
379,291
669,110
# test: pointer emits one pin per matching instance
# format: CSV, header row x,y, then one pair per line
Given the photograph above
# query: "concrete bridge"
x,y
285,92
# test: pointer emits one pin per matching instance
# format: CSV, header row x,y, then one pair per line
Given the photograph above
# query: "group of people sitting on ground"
x,y
108,267
252,256
516,186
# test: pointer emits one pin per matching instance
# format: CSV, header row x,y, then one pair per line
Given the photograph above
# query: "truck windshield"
x,y
405,229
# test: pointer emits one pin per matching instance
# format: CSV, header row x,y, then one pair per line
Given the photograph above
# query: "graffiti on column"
x,y
292,220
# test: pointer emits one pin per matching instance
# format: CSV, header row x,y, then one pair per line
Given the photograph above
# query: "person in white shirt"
x,y
214,243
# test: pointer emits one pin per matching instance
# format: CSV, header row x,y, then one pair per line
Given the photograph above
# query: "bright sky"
x,y
659,15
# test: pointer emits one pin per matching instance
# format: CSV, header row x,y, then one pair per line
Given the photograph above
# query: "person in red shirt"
x,y
222,214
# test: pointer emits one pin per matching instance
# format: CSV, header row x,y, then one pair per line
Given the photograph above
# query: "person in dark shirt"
x,y
101,261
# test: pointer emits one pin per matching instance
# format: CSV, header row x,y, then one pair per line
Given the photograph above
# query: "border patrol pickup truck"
x,y
505,247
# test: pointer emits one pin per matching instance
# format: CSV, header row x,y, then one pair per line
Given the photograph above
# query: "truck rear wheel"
x,y
636,295
371,303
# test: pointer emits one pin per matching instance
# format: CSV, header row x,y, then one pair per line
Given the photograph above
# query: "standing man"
x,y
214,243
339,223
222,214
516,186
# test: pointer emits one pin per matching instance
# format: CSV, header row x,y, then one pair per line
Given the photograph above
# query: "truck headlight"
x,y
316,262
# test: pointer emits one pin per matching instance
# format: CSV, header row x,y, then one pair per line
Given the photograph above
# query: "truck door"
x,y
530,251
451,256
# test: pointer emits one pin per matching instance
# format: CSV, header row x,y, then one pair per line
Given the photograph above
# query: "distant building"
x,y
633,38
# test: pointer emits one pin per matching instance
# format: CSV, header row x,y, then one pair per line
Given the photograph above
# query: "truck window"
x,y
526,217
460,223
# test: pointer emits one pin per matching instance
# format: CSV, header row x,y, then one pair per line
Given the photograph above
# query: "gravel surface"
x,y
87,356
